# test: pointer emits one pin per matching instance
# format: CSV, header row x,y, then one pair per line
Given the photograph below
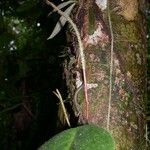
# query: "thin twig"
x,y
81,51
57,93
111,65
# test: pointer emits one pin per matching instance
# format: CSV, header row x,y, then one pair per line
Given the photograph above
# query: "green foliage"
x,y
87,137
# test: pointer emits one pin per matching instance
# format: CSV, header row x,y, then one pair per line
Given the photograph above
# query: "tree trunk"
x,y
116,99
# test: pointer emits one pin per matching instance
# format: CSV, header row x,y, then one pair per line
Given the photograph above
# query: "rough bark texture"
x,y
127,119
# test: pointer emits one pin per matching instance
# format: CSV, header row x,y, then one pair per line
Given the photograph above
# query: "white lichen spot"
x,y
79,82
94,38
138,59
93,58
116,62
92,85
99,37
102,4
78,79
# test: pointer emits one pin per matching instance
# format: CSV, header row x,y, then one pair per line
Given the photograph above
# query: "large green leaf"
x,y
87,137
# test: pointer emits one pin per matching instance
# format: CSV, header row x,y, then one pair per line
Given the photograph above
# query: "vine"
x,y
111,65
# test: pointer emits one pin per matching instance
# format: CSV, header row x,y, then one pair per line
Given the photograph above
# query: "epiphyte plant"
x,y
81,48
62,20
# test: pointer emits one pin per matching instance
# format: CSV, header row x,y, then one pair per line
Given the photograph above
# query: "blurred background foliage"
x,y
30,69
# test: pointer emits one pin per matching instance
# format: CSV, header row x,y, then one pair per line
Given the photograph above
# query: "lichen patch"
x,y
102,4
98,37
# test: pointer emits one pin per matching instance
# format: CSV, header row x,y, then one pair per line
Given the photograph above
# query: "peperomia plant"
x,y
86,137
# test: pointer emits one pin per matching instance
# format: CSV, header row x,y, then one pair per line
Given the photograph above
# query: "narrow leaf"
x,y
62,5
61,22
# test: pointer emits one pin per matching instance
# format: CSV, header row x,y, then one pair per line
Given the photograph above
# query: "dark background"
x,y
30,70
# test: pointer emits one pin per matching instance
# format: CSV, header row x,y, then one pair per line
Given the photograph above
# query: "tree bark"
x,y
128,91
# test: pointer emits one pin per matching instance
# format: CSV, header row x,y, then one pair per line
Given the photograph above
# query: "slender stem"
x,y
81,51
57,93
111,66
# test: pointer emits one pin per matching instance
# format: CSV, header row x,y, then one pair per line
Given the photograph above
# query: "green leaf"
x,y
87,137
